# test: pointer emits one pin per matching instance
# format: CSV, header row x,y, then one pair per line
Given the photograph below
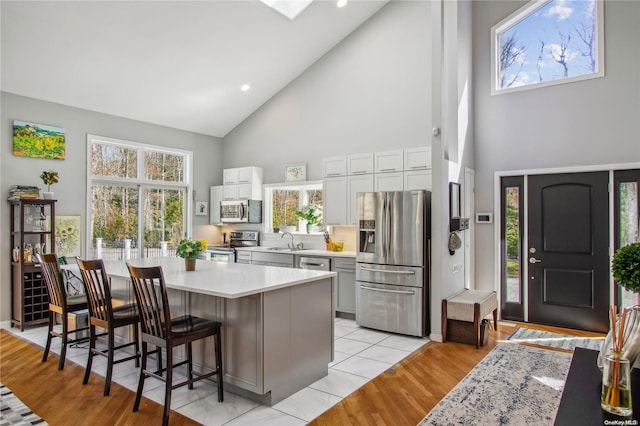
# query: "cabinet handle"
x,y
244,181
358,172
418,167
334,174
387,170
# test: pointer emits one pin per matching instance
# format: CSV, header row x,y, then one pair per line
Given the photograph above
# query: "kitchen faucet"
x,y
292,246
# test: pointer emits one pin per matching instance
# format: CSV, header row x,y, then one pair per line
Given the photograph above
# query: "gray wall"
x,y
71,190
370,93
592,122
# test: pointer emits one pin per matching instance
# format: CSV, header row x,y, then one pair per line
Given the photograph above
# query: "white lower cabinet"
x,y
346,288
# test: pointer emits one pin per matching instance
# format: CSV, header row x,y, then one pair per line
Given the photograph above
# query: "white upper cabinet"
x,y
389,161
417,158
242,183
417,179
355,184
389,181
334,166
214,208
360,164
334,200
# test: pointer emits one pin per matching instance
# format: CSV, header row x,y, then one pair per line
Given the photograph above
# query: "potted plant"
x,y
312,214
49,178
626,267
189,249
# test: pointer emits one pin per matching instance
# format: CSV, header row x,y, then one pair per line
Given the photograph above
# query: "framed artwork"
x,y
38,140
296,172
68,235
201,208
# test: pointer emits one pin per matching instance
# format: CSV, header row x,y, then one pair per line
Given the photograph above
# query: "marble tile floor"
x,y
360,355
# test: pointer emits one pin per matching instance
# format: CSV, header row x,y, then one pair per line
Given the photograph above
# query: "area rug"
x,y
555,340
14,412
512,385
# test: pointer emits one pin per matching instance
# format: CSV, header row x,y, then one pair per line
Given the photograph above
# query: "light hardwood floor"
x,y
402,395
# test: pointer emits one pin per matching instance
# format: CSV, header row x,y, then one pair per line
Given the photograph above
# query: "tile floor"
x,y
360,355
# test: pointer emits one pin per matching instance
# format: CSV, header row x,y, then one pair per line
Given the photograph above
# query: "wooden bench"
x,y
469,306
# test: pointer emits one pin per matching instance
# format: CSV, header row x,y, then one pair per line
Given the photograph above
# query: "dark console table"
x,y
580,403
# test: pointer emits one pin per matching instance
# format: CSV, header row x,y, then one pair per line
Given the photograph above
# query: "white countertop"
x,y
221,279
303,252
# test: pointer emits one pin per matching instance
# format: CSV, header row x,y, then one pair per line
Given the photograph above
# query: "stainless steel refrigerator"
x,y
393,252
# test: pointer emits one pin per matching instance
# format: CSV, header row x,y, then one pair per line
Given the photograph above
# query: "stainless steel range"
x,y
226,252
392,273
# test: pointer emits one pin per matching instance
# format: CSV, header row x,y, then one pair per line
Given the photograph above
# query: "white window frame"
x,y
268,201
187,184
516,18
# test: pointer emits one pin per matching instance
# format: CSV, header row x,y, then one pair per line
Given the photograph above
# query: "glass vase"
x,y
616,385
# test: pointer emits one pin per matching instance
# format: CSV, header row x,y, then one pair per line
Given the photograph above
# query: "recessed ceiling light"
x,y
245,87
342,3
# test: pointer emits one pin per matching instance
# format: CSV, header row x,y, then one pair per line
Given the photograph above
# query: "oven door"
x,y
397,309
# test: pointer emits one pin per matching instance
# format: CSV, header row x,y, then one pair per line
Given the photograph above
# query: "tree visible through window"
x,y
548,42
282,202
138,193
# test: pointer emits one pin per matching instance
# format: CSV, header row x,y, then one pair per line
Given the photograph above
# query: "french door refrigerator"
x,y
393,252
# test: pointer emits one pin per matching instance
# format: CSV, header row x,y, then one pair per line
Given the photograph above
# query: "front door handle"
x,y
534,260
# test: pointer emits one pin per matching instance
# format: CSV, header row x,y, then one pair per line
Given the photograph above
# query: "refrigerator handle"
x,y
384,228
387,243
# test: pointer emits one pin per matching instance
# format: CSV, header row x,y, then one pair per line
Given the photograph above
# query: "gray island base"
x,y
277,322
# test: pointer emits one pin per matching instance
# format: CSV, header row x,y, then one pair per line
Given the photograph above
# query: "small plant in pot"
x,y
189,249
49,177
312,214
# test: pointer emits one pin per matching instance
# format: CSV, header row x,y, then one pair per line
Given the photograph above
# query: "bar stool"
x,y
60,304
162,331
103,314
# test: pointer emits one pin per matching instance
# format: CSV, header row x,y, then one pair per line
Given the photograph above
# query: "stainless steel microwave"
x,y
241,211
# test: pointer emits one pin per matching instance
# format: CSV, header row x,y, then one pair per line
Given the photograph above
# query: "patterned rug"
x,y
555,340
14,412
512,385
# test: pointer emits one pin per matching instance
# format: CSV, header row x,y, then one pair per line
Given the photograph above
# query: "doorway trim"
x,y
498,216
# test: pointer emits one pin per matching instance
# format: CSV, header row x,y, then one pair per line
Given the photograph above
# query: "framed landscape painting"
x,y
68,236
38,140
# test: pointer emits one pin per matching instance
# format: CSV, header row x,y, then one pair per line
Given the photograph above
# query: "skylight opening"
x,y
289,8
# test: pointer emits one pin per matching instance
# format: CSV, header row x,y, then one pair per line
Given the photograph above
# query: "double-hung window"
x,y
137,198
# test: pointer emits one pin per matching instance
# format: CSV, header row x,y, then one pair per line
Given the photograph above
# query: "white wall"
x,y
592,122
369,93
71,190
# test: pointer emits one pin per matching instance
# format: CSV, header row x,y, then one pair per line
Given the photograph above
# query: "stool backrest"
x,y
53,277
97,289
151,297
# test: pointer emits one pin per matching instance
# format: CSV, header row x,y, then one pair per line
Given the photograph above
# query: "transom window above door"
x,y
548,42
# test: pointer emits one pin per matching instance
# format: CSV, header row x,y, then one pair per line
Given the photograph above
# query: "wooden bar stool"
x,y
103,314
60,304
162,331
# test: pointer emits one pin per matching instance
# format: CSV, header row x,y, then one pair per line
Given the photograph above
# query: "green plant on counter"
x,y
189,248
312,214
626,267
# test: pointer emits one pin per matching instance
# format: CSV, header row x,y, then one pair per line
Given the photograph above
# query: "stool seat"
x,y
469,306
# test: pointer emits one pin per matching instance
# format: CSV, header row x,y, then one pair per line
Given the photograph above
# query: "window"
x,y
137,197
548,42
511,236
283,200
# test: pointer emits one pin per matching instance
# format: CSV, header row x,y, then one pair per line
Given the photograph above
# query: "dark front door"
x,y
568,250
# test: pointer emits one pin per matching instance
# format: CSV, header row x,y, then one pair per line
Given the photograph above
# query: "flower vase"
x,y
616,385
47,195
190,264
309,228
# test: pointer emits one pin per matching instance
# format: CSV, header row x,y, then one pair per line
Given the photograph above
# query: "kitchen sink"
x,y
285,249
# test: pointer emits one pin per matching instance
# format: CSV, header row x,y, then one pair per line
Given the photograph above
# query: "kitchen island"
x,y
277,322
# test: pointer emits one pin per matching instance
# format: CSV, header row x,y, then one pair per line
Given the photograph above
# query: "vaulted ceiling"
x,y
175,63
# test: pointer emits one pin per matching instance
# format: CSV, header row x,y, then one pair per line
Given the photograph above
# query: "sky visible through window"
x,y
556,41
